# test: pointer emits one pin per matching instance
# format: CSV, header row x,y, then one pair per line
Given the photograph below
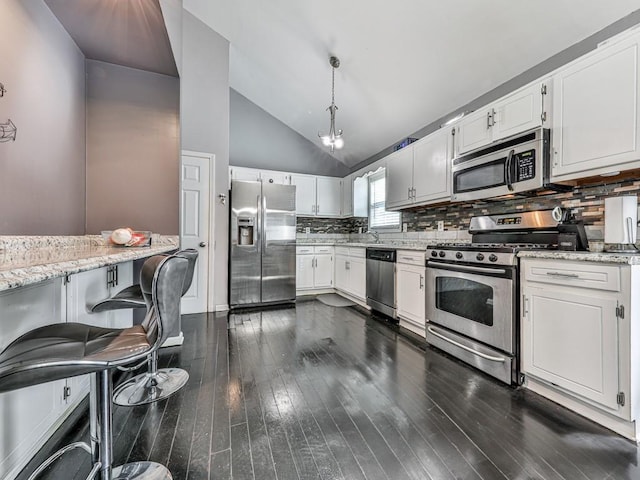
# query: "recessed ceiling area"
x,y
131,33
403,65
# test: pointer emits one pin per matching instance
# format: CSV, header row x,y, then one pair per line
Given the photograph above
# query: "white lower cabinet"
x,y
32,414
314,268
410,290
350,271
575,338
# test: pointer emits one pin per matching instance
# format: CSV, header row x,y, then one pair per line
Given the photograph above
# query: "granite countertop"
x,y
27,263
601,257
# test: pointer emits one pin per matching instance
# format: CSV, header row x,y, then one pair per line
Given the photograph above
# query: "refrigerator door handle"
x,y
257,232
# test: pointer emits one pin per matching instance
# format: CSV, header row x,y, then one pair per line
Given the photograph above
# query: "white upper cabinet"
x,y
328,196
242,173
519,111
421,172
305,194
399,178
278,178
317,196
596,113
432,167
255,175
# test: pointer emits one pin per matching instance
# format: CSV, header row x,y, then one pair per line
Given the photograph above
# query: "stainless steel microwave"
x,y
514,165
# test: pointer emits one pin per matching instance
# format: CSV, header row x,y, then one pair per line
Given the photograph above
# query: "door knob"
x,y
203,244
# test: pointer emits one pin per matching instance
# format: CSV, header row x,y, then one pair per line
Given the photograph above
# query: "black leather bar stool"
x,y
62,350
156,383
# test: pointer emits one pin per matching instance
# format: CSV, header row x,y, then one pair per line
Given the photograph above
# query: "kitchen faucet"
x,y
375,234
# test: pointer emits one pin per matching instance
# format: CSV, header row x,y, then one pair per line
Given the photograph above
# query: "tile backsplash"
x,y
585,202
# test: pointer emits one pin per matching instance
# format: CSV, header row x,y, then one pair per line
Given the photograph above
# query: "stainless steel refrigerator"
x,y
262,259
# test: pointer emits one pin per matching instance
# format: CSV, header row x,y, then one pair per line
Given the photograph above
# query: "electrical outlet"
x,y
307,230
359,229
404,227
441,225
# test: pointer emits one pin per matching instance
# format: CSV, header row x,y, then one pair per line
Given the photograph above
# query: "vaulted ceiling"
x,y
404,64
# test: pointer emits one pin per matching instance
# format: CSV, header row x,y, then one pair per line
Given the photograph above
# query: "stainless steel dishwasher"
x,y
381,280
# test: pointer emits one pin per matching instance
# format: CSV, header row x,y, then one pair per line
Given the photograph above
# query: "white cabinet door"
x,y
570,338
124,279
305,194
410,289
323,271
242,173
399,178
357,277
342,273
518,112
277,178
474,130
597,113
347,197
328,197
432,168
83,290
304,272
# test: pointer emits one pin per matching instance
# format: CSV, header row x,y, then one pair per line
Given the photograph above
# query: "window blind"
x,y
378,216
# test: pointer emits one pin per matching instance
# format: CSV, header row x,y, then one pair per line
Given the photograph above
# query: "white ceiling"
x,y
404,64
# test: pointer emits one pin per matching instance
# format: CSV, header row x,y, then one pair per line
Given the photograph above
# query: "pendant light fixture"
x,y
332,139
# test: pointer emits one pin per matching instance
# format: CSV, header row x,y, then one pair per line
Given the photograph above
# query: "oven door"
x,y
476,301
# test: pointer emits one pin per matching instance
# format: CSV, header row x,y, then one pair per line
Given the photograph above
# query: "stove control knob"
x,y
479,257
442,254
459,255
434,253
493,257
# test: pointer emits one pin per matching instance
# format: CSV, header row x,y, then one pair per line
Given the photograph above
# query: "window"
x,y
379,218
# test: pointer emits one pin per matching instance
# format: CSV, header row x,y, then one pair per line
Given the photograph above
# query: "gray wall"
x,y
549,65
204,104
259,140
42,173
132,149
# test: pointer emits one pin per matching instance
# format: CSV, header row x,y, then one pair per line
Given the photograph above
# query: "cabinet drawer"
x,y
411,257
323,249
357,252
575,274
304,250
342,251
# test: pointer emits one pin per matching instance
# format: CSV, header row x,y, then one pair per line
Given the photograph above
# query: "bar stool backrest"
x,y
162,278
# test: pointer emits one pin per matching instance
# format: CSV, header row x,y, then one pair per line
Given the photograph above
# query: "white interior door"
x,y
194,224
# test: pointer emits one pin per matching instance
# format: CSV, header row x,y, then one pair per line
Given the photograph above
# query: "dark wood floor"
x,y
317,392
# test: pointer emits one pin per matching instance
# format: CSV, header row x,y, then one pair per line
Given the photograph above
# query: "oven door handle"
x,y
465,268
464,347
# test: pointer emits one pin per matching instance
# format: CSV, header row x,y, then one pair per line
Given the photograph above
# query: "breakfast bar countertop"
x,y
29,259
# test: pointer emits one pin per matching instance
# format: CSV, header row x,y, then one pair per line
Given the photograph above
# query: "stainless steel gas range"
x,y
472,304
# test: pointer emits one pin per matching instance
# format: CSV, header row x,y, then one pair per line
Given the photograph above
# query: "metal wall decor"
x,y
8,131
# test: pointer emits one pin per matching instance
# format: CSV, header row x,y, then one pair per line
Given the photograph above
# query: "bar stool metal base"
x,y
141,471
150,387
